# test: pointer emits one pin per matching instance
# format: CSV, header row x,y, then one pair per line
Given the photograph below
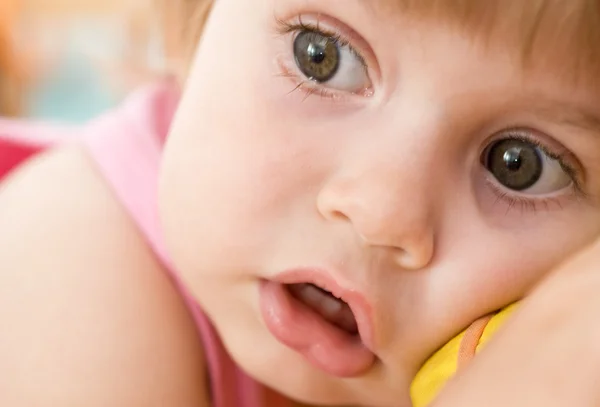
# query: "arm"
x,y
87,317
549,354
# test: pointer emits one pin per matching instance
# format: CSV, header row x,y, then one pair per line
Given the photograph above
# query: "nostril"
x,y
416,257
381,217
339,215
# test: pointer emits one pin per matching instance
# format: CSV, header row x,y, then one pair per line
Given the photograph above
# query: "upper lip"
x,y
357,302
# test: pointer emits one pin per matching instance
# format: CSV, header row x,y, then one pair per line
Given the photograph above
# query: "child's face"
x,y
424,178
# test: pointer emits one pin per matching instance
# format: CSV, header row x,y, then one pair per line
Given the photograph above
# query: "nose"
x,y
386,209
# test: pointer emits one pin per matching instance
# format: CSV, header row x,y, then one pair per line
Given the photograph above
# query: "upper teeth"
x,y
331,308
328,305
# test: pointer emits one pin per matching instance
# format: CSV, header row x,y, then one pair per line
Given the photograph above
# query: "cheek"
x,y
482,269
495,266
232,174
241,157
221,196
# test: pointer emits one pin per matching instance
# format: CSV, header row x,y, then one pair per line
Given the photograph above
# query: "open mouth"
x,y
311,314
326,305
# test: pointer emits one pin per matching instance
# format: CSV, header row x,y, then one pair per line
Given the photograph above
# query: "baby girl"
x,y
326,193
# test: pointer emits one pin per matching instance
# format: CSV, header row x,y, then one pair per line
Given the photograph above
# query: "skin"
x,y
545,339
386,190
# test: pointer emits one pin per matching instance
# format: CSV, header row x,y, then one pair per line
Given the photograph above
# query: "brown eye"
x,y
522,166
516,164
317,56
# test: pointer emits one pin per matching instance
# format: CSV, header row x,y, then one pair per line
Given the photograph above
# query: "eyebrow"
x,y
567,114
381,7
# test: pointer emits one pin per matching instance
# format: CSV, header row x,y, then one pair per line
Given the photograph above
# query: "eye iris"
x,y
317,56
515,164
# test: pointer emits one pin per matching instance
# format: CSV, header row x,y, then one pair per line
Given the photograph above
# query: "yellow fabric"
x,y
495,324
440,368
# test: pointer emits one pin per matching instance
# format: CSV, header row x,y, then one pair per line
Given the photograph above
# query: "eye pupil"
x,y
317,56
516,164
512,159
316,52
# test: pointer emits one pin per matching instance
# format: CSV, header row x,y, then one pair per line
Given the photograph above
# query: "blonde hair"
x,y
183,22
563,33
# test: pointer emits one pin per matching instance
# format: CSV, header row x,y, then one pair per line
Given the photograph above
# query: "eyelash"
x,y
309,87
534,204
528,204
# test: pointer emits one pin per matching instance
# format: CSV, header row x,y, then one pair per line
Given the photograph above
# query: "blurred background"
x,y
70,60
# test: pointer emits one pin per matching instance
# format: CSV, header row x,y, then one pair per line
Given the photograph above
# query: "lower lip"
x,y
299,328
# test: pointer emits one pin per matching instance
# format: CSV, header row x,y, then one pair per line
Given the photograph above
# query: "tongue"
x,y
332,309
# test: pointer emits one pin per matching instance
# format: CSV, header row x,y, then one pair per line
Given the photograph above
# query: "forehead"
x,y
562,35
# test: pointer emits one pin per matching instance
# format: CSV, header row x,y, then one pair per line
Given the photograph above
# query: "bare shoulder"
x,y
87,315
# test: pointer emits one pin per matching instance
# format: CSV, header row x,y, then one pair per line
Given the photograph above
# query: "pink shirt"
x,y
126,145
